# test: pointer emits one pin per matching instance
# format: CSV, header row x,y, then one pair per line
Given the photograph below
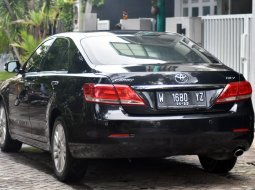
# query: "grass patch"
x,y
5,75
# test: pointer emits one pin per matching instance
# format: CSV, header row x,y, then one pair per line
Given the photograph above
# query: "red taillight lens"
x,y
111,94
128,96
235,91
100,93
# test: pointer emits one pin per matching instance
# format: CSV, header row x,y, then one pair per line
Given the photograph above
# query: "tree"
x,y
8,13
24,24
4,47
29,22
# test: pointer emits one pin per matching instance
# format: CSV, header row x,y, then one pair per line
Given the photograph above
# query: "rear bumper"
x,y
206,134
161,148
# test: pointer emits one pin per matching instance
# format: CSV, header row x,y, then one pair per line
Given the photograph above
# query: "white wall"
x,y
85,21
193,27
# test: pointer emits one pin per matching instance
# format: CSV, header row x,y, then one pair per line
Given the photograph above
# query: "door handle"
x,y
54,84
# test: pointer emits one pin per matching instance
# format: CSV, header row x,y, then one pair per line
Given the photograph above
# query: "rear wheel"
x,y
66,167
217,166
7,144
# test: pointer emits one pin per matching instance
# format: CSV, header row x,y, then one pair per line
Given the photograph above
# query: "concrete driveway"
x,y
31,169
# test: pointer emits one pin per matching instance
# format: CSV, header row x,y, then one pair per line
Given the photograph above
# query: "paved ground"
x,y
31,169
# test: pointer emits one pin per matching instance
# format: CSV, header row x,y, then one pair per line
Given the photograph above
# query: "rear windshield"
x,y
144,48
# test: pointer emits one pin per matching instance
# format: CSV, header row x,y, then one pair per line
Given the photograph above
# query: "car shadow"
x,y
171,173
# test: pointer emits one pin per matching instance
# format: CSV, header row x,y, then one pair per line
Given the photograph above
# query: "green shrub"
x,y
5,75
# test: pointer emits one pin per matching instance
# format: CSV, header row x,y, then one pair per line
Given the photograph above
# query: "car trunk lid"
x,y
169,88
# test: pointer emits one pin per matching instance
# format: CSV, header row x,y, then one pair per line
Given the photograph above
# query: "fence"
x,y
228,38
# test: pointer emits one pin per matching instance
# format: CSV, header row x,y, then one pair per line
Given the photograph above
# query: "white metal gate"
x,y
228,38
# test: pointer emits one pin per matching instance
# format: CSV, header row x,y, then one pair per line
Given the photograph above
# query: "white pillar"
x,y
177,8
252,64
229,7
219,7
89,6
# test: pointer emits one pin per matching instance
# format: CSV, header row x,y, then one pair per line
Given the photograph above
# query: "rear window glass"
x,y
144,48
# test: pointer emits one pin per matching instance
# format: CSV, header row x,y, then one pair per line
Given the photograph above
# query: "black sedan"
x,y
125,95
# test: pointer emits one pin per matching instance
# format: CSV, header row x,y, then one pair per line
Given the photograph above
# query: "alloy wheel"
x,y
2,125
59,148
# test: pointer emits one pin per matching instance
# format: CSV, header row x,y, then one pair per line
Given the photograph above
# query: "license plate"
x,y
189,99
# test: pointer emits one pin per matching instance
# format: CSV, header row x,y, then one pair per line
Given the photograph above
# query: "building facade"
x,y
112,10
194,8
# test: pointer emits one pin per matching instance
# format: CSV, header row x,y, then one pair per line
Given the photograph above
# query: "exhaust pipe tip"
x,y
238,152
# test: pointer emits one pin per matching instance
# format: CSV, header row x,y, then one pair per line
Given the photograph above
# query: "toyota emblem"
x,y
181,78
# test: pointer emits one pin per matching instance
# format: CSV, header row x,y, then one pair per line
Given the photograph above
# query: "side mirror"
x,y
12,66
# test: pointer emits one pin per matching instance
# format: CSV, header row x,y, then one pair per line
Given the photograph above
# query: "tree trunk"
x,y
7,4
15,50
13,16
31,4
55,23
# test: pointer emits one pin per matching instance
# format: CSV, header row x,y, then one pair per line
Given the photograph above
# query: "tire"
x,y
66,168
7,144
217,166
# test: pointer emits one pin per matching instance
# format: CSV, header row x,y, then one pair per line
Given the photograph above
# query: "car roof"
x,y
80,35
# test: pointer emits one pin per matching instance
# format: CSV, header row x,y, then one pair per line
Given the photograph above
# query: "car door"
x,y
18,107
19,90
52,69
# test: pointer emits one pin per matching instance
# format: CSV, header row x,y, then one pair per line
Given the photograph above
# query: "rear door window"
x,y
57,57
77,62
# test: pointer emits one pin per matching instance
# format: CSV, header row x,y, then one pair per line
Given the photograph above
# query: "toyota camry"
x,y
125,95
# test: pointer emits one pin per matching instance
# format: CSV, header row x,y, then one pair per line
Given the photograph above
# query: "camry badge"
x,y
181,78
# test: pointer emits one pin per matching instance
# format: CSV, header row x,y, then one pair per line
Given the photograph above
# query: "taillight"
x,y
235,91
111,94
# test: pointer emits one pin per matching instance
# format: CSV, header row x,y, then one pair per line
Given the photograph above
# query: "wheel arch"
x,y
53,116
1,98
3,102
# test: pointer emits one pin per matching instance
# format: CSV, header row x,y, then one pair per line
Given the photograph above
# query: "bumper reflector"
x,y
241,130
121,136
